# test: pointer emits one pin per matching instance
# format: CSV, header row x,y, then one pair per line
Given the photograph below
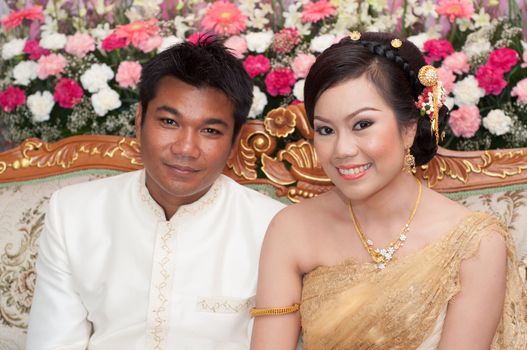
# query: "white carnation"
x,y
24,72
467,92
96,77
478,47
104,101
321,42
53,41
168,42
259,42
40,104
298,90
497,123
13,48
259,103
420,39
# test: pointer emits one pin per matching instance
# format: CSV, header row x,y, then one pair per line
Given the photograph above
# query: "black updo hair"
x,y
392,71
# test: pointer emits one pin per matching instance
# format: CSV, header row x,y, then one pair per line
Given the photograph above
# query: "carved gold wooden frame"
x,y
264,154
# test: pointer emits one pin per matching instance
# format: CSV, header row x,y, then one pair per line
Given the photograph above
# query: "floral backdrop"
x,y
72,67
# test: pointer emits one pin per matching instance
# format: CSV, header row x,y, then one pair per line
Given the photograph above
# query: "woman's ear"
x,y
409,132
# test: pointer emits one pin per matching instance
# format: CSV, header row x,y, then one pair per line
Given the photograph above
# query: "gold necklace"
x,y
382,256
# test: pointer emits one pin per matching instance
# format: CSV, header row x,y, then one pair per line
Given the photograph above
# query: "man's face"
x,y
185,141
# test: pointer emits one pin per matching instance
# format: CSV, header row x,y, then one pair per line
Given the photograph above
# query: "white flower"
x,y
464,24
378,5
293,17
258,19
24,72
259,42
259,103
467,92
169,41
481,19
101,31
96,77
321,42
40,104
449,102
53,41
182,25
105,100
13,48
478,47
427,8
298,90
420,39
497,123
384,24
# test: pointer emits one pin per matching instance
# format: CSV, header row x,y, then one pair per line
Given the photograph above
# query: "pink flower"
x,y
68,93
255,65
447,78
524,64
200,37
302,63
52,64
34,50
128,74
14,19
79,44
11,98
438,49
137,32
113,42
224,18
455,9
490,79
457,63
316,11
237,45
503,59
520,91
280,81
285,40
150,44
465,121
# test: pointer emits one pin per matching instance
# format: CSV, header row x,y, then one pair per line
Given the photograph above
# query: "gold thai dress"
x,y
354,305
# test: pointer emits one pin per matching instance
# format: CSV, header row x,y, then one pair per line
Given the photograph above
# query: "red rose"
x,y
490,79
11,98
279,81
68,93
255,65
503,59
437,49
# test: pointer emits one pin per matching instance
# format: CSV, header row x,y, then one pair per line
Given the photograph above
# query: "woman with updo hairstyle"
x,y
381,261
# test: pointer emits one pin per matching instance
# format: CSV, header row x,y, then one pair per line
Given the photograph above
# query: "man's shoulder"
x,y
255,199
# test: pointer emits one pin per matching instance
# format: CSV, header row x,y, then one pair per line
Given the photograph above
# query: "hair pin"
x,y
354,35
396,43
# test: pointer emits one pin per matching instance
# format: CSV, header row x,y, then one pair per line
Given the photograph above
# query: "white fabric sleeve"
x,y
58,318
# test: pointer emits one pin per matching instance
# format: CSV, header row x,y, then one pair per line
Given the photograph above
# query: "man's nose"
x,y
186,144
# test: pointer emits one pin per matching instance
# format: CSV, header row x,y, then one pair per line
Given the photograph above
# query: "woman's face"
x,y
357,138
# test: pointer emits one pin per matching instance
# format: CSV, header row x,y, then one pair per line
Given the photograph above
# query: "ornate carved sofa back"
x,y
274,157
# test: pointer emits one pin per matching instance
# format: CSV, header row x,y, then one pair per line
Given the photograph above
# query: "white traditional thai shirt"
x,y
114,274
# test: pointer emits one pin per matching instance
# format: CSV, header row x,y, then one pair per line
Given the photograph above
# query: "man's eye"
x,y
362,124
168,121
211,131
324,130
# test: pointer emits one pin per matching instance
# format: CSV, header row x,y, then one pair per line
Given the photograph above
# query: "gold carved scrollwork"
x,y
280,122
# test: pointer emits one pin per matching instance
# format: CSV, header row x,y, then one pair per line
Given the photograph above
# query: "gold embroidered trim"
x,y
275,311
224,305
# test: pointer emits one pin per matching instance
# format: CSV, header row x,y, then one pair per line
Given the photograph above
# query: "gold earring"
x,y
409,162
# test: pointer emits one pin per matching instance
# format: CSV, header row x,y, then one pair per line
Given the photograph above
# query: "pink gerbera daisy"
x,y
316,11
224,18
137,32
14,19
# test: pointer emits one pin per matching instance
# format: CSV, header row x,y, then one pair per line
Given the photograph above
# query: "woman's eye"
x,y
362,124
324,130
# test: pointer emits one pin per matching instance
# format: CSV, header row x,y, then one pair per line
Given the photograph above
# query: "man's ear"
x,y
235,144
138,119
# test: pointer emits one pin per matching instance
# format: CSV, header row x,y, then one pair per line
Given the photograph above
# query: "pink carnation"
x,y
490,79
316,11
455,9
524,64
447,78
503,59
285,40
52,64
224,18
520,91
128,74
137,32
437,49
256,65
280,81
14,19
34,50
457,63
302,63
79,44
150,44
68,93
113,42
237,45
11,98
465,121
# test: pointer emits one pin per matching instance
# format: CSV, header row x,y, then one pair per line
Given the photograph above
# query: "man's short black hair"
x,y
208,63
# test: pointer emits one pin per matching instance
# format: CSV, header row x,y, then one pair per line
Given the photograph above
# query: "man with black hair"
x,y
165,257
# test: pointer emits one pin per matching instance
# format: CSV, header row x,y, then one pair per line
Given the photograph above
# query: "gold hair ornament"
x,y
355,35
432,98
274,311
396,43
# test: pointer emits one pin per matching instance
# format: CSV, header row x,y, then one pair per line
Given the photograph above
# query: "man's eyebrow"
x,y
216,121
169,109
